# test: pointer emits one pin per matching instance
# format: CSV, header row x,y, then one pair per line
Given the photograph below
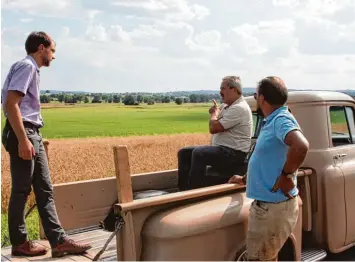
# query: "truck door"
x,y
343,141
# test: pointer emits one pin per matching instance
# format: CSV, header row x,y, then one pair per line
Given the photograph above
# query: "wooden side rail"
x,y
178,196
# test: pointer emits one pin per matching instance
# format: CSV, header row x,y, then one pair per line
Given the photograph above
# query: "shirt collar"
x,y
241,98
33,61
275,113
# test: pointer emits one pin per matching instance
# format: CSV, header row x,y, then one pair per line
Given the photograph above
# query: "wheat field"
x,y
81,159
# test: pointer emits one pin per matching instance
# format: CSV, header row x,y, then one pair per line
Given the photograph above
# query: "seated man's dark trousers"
x,y
27,173
192,163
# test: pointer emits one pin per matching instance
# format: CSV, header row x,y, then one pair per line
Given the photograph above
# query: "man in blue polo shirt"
x,y
28,162
280,150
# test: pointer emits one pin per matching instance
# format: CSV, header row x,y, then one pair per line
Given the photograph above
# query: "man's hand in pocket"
x,y
26,150
285,184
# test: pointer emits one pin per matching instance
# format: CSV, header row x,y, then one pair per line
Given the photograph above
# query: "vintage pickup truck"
x,y
160,223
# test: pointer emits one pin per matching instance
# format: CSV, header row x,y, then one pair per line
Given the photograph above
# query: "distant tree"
x,y
110,99
178,101
140,99
86,100
186,100
61,97
45,99
151,102
129,100
96,99
166,99
116,99
48,92
193,98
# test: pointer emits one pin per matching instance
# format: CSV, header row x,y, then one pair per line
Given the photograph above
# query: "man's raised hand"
x,y
214,108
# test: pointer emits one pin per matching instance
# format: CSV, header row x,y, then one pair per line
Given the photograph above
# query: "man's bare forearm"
x,y
15,119
295,158
214,125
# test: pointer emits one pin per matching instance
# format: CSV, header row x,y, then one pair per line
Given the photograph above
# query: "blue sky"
x,y
169,45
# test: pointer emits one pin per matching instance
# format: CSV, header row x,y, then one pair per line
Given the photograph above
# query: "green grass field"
x,y
117,120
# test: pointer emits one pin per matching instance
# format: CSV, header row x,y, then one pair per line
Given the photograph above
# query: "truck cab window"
x,y
256,124
342,125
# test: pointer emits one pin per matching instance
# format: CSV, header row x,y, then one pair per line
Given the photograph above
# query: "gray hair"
x,y
234,82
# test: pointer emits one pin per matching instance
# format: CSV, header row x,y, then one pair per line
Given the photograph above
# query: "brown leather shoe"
x,y
69,246
28,249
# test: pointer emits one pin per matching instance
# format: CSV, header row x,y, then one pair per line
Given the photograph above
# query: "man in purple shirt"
x,y
28,162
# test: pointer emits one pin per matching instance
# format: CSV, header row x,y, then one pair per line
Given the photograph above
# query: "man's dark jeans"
x,y
193,160
25,173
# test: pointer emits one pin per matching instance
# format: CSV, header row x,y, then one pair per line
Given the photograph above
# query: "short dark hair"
x,y
274,90
35,39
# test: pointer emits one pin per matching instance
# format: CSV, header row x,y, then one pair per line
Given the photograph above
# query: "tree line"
x,y
127,98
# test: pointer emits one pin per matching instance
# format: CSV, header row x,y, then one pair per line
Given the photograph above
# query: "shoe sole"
x,y
56,254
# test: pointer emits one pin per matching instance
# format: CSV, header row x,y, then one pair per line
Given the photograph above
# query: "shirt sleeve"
x,y
230,117
21,78
283,126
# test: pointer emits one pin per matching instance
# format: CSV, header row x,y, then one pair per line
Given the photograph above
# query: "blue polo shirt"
x,y
269,157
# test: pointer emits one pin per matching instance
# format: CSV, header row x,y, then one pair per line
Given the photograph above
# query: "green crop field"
x,y
117,120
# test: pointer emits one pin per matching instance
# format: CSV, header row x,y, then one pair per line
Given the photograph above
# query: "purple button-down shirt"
x,y
24,77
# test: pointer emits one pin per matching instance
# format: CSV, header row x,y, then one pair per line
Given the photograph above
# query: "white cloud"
x,y
208,41
26,20
320,36
47,8
273,38
178,10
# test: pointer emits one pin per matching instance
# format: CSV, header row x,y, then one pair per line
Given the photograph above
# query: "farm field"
x,y
110,120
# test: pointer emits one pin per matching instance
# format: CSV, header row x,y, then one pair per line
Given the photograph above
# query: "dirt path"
x,y
81,159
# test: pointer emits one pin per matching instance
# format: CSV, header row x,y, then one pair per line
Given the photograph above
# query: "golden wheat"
x,y
81,159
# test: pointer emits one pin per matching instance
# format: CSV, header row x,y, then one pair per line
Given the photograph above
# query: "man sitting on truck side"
x,y
231,128
271,181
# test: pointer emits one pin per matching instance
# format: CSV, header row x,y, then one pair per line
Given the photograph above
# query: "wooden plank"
x,y
79,258
89,235
129,244
6,252
125,242
46,146
123,174
178,196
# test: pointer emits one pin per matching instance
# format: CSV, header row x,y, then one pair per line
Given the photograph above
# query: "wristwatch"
x,y
288,175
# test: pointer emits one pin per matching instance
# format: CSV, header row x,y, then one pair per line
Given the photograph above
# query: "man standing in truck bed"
x,y
280,150
231,128
28,161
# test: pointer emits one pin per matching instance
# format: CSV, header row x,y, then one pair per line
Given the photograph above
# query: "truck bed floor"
x,y
96,237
